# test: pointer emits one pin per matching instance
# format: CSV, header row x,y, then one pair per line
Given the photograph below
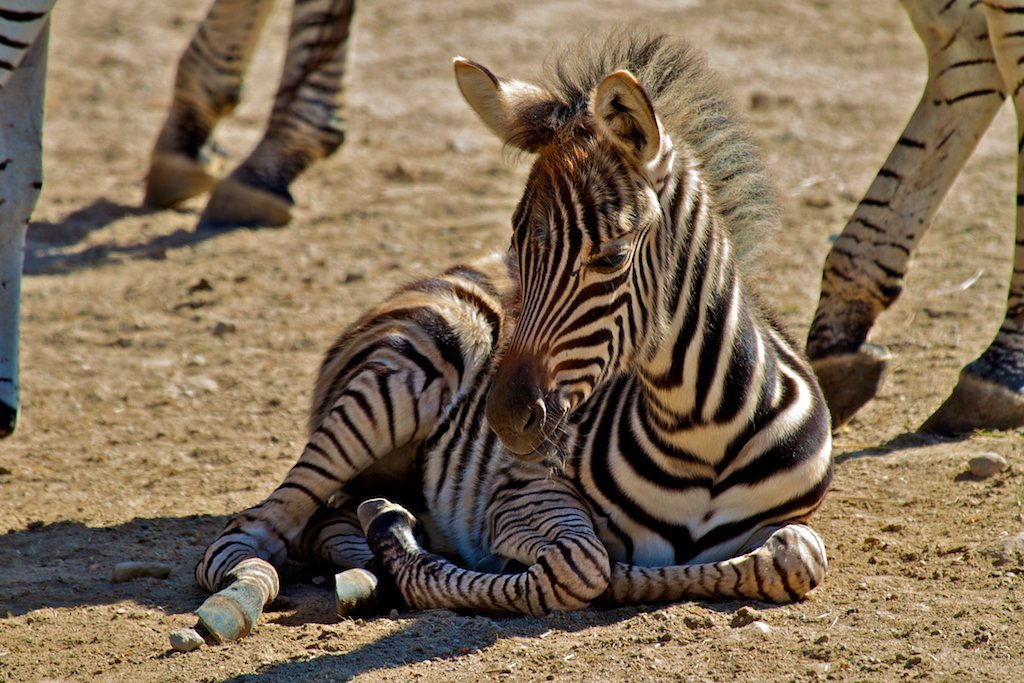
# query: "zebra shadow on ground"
x,y
447,640
900,442
54,248
68,565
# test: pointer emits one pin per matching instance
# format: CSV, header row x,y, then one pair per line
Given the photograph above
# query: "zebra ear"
x,y
494,100
625,114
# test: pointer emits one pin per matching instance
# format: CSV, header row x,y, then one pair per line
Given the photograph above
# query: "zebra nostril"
x,y
536,416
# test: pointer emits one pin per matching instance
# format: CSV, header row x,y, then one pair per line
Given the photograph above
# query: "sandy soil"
x,y
142,431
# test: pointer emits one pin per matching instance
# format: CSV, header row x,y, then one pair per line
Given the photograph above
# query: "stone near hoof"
x,y
850,380
355,592
174,178
974,404
186,640
234,204
126,571
231,614
986,465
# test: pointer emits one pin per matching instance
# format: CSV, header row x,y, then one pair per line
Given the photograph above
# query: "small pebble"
x,y
186,640
126,571
694,623
744,616
760,627
224,327
987,464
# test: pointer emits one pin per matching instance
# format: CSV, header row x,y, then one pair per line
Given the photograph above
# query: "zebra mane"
x,y
691,107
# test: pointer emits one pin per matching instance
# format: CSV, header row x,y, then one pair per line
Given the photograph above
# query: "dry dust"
x,y
142,431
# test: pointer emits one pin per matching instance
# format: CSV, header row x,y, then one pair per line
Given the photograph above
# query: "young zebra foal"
x,y
606,410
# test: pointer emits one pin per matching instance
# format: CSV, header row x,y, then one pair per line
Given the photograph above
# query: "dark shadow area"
x,y
69,564
901,442
47,243
443,636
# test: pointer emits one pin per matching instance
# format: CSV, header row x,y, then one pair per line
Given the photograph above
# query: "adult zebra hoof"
x,y
8,419
175,177
850,380
976,403
235,204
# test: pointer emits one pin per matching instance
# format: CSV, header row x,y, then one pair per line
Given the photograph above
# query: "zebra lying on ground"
x,y
975,58
605,412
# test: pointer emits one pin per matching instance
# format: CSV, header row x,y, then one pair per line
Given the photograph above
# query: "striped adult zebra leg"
x,y
781,569
542,526
23,53
990,393
864,271
208,87
307,123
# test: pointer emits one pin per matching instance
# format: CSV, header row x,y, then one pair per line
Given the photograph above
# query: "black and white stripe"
x,y
607,406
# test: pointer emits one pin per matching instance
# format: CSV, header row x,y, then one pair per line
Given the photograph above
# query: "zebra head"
x,y
582,234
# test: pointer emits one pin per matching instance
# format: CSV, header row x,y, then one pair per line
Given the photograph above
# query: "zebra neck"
x,y
704,319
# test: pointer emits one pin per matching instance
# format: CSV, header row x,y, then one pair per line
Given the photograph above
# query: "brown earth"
x,y
142,431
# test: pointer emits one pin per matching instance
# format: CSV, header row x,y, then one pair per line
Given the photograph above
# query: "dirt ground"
x,y
142,430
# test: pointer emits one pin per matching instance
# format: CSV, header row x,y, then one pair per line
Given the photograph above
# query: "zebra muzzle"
x,y
516,410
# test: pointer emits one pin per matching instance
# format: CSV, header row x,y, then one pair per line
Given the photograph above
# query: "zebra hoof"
x,y
231,614
355,592
8,419
235,204
389,528
976,403
850,380
174,178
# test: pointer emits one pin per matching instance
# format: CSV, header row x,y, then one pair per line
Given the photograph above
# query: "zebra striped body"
x,y
306,124
606,406
975,59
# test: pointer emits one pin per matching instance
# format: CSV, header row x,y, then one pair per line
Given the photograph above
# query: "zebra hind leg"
x,y
207,87
306,124
864,271
990,391
782,569
332,539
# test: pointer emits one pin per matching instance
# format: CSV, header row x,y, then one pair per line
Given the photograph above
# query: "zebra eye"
x,y
608,262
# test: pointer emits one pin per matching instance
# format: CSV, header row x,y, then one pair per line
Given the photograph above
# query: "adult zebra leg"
x,y
208,87
307,123
21,179
865,269
990,392
566,564
781,569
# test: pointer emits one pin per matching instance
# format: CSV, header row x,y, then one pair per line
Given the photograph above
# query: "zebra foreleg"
x,y
865,269
782,569
990,392
307,123
565,573
208,87
22,81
